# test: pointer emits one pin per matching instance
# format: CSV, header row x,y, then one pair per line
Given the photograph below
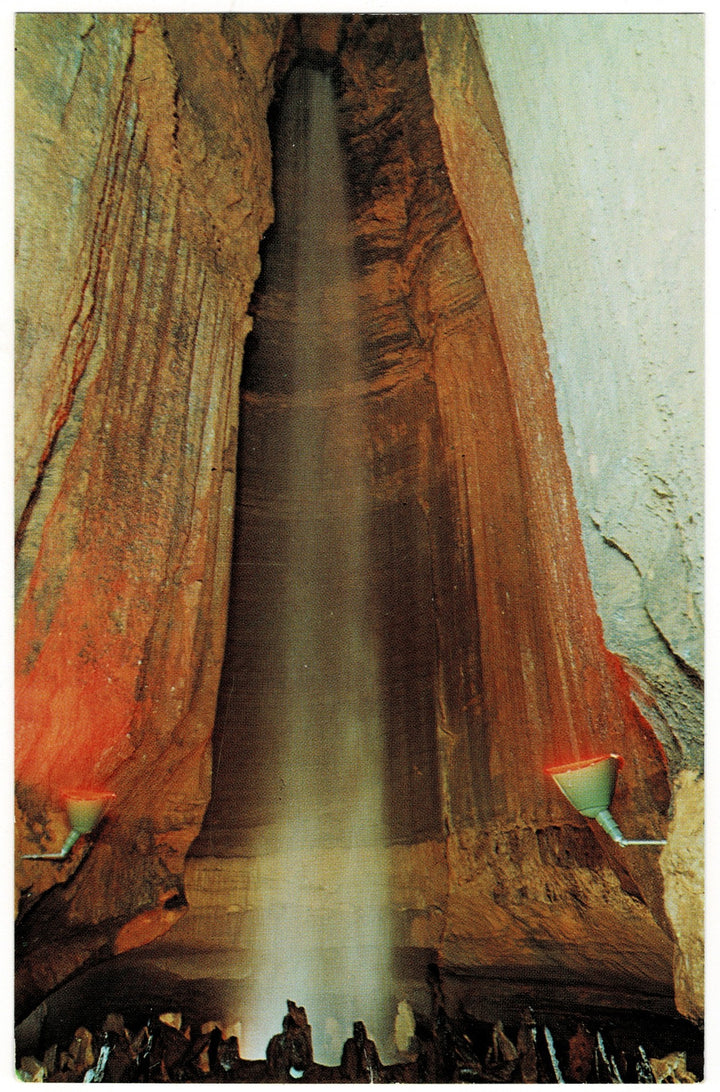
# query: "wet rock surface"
x,y
131,324
525,1048
152,148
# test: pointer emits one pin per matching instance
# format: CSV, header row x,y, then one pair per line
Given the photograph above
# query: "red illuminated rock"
x,y
129,361
156,158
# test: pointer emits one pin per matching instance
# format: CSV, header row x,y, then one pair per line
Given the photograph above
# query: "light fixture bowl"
x,y
85,808
589,784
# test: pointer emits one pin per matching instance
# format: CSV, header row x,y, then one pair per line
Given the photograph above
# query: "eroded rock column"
x,y
144,179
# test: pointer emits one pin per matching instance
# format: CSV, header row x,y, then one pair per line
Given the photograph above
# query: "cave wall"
x,y
143,180
613,220
124,541
603,116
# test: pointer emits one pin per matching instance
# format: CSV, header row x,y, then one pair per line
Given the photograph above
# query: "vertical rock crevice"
x,y
493,663
492,660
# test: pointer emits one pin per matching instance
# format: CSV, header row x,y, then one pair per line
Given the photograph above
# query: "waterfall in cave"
x,y
319,936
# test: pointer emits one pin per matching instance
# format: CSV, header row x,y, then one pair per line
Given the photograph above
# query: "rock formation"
x,y
144,190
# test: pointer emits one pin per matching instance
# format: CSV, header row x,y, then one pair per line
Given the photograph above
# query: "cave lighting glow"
x,y
321,935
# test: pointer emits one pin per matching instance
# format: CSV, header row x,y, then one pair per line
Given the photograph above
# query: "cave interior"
x,y
406,637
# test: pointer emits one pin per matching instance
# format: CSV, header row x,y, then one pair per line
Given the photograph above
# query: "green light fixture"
x,y
85,808
589,786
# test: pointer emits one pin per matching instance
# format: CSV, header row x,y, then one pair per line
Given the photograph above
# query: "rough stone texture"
x,y
682,866
614,211
668,693
471,916
494,661
144,181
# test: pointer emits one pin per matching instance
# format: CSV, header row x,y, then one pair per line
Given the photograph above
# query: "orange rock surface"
x,y
155,156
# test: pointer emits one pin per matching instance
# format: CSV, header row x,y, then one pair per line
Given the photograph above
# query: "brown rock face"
x,y
491,659
127,425
682,866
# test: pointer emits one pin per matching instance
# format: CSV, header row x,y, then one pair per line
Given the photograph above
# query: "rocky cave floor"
x,y
619,1048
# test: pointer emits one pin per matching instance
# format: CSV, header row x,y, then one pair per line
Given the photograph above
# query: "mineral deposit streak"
x,y
321,937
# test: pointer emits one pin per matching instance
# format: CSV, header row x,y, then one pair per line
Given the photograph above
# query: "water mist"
x,y
321,935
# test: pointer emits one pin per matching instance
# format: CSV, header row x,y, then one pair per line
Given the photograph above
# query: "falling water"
x,y
321,937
